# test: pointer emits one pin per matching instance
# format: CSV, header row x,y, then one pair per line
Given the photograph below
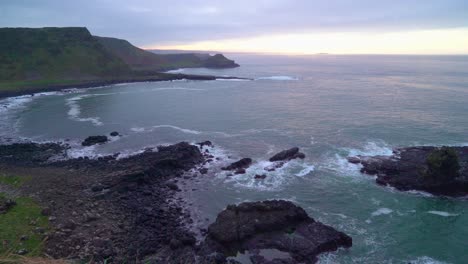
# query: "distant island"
x,y
38,59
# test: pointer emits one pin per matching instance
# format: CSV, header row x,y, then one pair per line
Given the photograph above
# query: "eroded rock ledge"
x,y
407,169
254,228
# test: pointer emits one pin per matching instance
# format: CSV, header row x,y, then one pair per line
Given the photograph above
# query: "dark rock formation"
x,y
30,153
93,140
239,165
408,169
260,177
6,204
288,154
205,143
272,225
114,134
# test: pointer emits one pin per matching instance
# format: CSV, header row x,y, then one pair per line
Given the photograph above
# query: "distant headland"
x,y
51,58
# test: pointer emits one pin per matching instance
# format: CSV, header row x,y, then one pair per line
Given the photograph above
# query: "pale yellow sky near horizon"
x,y
438,41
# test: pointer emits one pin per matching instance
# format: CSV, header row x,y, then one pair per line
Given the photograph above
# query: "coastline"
x,y
127,210
160,77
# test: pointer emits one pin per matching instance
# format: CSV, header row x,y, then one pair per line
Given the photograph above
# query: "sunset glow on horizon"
x,y
441,41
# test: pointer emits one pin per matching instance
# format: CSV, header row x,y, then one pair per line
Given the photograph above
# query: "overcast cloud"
x,y
146,22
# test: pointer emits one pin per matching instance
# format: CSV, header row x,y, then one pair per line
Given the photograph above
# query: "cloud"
x,y
163,22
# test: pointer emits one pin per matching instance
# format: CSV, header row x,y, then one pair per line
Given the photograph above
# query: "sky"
x,y
273,26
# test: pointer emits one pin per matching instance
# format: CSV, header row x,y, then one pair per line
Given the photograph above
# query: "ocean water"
x,y
329,106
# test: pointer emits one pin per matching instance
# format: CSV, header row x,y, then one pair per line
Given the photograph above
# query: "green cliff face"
x,y
55,53
140,59
32,59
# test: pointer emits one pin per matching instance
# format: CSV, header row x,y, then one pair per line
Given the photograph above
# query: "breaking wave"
x,y
278,78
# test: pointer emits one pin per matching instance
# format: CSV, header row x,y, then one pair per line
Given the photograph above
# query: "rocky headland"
x,y
436,170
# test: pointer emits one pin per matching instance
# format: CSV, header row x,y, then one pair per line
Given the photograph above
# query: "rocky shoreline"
x,y
122,210
408,169
155,77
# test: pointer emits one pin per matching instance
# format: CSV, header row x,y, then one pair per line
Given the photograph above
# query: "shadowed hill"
x,y
140,59
55,53
42,59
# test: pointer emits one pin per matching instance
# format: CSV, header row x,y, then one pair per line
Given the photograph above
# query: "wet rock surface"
x,y
407,168
289,154
25,154
120,211
239,165
93,140
108,209
271,225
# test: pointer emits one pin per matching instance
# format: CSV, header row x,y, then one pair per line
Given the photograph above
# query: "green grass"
x,y
22,220
11,180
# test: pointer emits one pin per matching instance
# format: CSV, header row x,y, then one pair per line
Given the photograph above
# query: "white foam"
x,y
278,78
181,70
306,170
184,130
275,180
81,152
232,80
138,129
425,260
15,102
382,211
177,89
372,148
75,110
442,213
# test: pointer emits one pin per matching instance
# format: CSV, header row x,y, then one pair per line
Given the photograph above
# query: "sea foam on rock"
x,y
276,225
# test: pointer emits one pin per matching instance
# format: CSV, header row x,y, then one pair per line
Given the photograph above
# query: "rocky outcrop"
x,y
239,166
289,154
93,140
30,153
6,204
258,227
407,169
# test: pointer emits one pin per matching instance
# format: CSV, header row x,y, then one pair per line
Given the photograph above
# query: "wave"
x,y
442,213
232,80
177,88
425,260
75,110
181,70
274,180
339,162
278,78
184,130
382,211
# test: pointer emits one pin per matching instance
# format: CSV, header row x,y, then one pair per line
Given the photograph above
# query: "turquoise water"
x,y
329,106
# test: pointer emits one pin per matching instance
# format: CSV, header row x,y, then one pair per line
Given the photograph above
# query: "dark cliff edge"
x,y
46,59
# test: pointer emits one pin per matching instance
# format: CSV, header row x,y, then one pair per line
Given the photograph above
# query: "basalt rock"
x,y
272,225
30,153
239,165
289,154
407,169
93,140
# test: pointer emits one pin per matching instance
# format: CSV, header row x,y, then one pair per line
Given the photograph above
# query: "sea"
x,y
330,106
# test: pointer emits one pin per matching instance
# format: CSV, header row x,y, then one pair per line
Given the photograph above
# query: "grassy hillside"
x,y
55,54
140,59
36,59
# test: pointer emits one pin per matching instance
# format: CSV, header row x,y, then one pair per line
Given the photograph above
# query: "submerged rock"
x,y
239,165
277,225
93,140
289,154
114,134
412,169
